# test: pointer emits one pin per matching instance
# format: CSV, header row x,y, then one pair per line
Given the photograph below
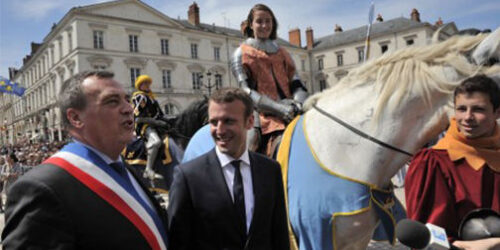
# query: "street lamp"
x,y
209,85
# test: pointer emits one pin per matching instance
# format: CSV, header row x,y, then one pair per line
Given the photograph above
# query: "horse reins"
x,y
359,132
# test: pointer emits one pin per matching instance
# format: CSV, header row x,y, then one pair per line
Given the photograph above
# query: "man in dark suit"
x,y
83,197
228,198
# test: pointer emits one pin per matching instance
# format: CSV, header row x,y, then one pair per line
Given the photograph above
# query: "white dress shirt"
x,y
246,175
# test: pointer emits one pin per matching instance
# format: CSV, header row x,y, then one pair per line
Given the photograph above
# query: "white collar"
x,y
99,153
267,45
225,159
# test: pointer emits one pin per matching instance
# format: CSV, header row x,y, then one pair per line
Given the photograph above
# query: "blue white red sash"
x,y
86,166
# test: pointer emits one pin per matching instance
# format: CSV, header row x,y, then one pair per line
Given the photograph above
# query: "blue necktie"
x,y
120,169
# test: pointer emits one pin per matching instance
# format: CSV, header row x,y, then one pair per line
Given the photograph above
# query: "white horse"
x,y
402,99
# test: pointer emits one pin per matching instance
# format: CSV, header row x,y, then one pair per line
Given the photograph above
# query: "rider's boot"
x,y
153,145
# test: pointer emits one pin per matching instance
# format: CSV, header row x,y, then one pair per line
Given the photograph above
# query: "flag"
x,y
18,90
6,86
367,41
371,12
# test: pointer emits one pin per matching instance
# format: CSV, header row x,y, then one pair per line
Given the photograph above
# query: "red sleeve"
x,y
428,191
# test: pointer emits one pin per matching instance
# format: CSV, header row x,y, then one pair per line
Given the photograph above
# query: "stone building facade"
x,y
332,56
186,58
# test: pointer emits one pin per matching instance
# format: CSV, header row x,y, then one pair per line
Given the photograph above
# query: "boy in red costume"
x,y
462,171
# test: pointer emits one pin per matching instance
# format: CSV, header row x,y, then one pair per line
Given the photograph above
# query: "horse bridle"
x,y
359,132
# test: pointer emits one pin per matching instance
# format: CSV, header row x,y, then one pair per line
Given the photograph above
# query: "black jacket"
x,y
48,208
201,212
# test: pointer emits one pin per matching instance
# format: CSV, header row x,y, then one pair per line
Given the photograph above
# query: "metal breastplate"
x,y
268,45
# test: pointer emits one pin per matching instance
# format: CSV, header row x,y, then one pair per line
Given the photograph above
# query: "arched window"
x,y
171,109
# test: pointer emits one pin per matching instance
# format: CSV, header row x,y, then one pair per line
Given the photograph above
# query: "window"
x,y
70,42
165,79
322,85
410,42
99,67
164,46
194,51
320,63
384,48
217,53
43,65
98,39
132,40
37,71
340,60
59,44
54,88
134,73
361,55
52,59
218,81
196,80
171,109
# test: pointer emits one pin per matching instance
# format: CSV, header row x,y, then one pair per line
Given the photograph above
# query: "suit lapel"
x,y
222,188
257,192
215,170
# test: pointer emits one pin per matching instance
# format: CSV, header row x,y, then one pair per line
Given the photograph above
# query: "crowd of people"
x,y
17,159
30,154
229,197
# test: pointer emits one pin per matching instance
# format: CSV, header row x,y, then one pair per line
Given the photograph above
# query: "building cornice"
x,y
93,59
135,61
166,64
195,67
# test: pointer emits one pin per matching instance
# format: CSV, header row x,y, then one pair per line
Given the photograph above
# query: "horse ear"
x,y
488,48
441,33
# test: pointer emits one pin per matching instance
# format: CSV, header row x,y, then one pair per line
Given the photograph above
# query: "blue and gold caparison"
x,y
316,196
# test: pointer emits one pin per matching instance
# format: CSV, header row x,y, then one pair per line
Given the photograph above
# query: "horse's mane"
x,y
396,74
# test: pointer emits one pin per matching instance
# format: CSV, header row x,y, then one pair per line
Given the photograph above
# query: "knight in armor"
x,y
267,73
148,119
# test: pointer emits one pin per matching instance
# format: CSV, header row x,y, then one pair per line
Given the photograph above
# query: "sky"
x,y
26,21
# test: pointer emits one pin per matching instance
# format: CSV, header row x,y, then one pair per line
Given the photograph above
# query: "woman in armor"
x,y
268,74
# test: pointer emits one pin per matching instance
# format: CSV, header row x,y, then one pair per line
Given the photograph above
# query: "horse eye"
x,y
492,61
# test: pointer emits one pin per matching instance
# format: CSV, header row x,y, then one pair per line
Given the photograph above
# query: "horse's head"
x,y
189,121
472,55
488,51
403,98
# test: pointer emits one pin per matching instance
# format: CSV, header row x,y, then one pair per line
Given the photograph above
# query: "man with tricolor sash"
x,y
84,196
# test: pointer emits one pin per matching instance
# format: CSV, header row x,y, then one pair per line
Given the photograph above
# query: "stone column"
x,y
11,134
59,132
33,123
60,72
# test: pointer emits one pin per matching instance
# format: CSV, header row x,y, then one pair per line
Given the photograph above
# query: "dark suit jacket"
x,y
201,212
49,209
